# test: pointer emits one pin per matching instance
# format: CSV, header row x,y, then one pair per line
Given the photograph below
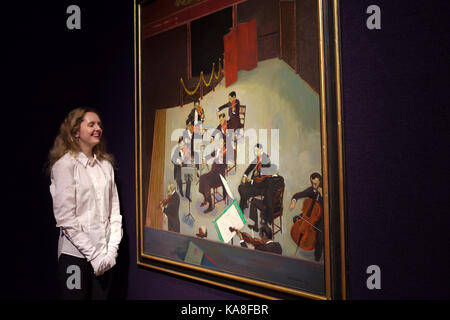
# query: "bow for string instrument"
x,y
303,232
248,238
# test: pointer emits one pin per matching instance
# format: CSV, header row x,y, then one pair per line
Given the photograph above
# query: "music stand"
x,y
189,218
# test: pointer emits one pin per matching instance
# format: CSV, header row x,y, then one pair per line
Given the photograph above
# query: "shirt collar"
x,y
84,160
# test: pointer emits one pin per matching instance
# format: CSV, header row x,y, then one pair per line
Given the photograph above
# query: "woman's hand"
x,y
98,264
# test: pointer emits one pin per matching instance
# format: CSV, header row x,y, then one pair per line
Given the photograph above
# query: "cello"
x,y
303,232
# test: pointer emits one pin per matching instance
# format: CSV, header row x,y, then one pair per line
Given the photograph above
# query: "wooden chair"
x,y
242,111
277,205
215,192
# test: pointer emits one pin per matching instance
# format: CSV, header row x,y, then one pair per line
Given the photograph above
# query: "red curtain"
x,y
230,57
241,50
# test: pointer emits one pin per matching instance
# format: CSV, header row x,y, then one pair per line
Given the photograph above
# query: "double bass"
x,y
303,232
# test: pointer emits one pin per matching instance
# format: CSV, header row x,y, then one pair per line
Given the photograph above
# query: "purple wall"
x,y
395,91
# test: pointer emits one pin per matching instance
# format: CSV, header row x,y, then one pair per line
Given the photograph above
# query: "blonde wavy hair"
x,y
65,141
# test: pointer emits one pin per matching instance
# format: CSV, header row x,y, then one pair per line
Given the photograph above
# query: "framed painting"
x,y
239,166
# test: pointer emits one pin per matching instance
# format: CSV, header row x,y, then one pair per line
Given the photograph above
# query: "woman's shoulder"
x,y
65,160
64,164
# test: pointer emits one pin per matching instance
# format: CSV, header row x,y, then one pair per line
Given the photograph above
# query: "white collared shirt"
x,y
99,182
86,206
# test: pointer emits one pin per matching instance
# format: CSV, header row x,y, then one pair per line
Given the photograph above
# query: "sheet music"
x,y
231,217
227,188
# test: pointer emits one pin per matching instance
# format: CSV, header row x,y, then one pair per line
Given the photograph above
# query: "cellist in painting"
x,y
307,230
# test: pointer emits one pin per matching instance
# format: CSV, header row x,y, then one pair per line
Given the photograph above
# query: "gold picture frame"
x,y
331,147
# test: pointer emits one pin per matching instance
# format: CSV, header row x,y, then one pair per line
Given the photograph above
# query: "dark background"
x,y
206,46
396,113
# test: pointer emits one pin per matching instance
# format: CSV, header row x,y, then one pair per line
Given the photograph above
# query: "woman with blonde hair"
x,y
85,205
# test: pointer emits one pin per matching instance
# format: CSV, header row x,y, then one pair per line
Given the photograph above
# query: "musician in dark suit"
x,y
197,114
181,157
267,238
259,168
189,136
313,192
177,161
171,209
224,131
233,106
212,178
266,205
221,129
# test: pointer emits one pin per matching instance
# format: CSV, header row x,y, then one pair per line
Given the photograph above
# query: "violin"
x,y
303,232
260,179
200,113
166,201
257,176
249,239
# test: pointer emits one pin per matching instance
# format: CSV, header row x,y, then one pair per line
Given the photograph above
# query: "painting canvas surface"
x,y
256,127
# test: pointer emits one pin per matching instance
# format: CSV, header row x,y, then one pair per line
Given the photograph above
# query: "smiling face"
x,y
90,131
